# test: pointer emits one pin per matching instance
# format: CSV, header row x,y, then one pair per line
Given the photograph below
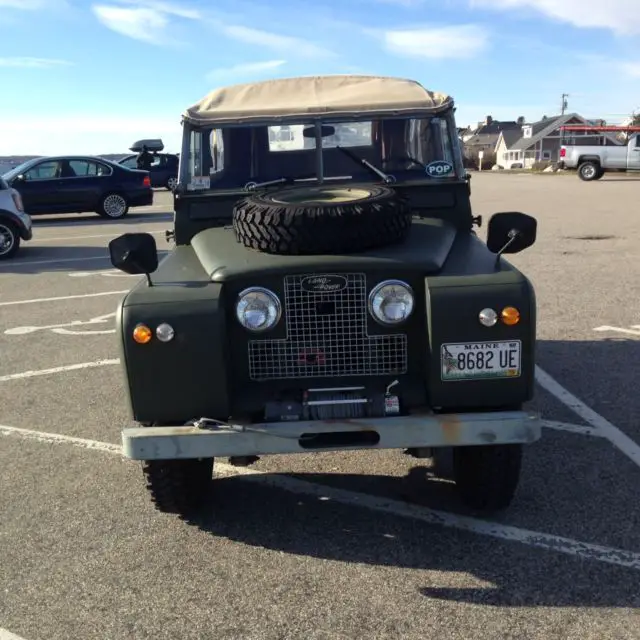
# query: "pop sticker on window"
x,y
439,168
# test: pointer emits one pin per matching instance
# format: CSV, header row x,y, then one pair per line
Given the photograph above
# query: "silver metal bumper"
x,y
428,430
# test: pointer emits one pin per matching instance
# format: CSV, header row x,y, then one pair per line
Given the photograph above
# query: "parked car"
x,y
15,224
75,184
327,297
164,168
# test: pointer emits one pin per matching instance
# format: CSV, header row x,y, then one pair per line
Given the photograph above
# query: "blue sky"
x,y
91,77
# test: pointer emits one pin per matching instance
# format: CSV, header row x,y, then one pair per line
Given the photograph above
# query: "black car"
x,y
75,184
164,166
163,170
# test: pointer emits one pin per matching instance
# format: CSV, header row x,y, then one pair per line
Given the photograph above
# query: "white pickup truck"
x,y
593,161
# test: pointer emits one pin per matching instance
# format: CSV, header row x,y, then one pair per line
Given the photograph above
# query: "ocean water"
x,y
5,167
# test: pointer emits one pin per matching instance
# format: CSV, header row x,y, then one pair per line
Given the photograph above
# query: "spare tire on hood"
x,y
322,219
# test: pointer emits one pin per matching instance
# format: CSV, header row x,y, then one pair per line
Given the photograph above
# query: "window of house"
x,y
546,155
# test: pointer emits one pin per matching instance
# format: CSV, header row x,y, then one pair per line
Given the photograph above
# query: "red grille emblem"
x,y
312,357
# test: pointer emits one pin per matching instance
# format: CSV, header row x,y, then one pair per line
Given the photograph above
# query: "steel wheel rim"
x,y
172,183
589,172
114,205
7,240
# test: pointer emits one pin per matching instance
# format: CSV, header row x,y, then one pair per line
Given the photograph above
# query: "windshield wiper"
x,y
367,164
252,186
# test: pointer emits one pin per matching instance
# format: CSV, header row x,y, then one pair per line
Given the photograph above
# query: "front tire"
x,y
179,486
113,206
171,184
487,476
9,240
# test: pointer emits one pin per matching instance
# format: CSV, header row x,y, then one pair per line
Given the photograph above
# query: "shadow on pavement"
x,y
272,518
603,373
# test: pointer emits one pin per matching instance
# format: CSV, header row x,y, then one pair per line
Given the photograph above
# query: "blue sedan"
x,y
75,184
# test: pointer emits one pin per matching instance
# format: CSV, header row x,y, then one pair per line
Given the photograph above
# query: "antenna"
x,y
564,102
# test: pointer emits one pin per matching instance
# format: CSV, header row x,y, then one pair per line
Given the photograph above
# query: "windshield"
x,y
390,150
16,171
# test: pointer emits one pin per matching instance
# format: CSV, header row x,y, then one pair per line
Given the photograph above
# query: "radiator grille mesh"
x,y
327,337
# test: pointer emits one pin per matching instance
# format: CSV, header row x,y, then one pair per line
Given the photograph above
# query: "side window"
x,y
44,171
130,163
217,151
638,140
86,168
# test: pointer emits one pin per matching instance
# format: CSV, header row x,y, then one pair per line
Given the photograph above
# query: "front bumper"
x,y
429,430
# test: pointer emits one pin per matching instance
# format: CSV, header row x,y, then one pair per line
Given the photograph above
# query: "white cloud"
x,y
165,7
437,43
147,25
33,63
277,42
620,16
244,70
632,69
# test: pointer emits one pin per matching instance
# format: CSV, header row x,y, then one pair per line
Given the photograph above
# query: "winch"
x,y
334,403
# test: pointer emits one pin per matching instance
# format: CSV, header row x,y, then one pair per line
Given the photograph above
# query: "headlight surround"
x,y
391,302
258,309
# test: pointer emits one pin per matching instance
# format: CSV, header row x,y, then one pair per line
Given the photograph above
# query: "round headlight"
x,y
258,309
391,302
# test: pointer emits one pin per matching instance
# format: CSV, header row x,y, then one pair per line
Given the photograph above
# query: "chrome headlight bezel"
x,y
271,297
374,305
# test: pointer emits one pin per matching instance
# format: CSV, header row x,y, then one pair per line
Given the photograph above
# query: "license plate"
x,y
474,360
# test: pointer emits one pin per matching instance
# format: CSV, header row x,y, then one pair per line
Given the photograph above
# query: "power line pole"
x,y
564,102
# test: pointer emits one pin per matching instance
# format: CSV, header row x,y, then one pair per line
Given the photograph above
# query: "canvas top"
x,y
309,97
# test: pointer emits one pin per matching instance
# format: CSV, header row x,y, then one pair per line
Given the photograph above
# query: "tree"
x,y
635,120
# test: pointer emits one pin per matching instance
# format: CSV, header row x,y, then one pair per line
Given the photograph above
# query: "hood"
x,y
425,251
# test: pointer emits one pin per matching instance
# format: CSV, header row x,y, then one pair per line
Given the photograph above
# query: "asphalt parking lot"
x,y
345,545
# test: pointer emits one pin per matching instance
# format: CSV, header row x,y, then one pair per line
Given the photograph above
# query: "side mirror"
x,y
134,253
20,178
510,232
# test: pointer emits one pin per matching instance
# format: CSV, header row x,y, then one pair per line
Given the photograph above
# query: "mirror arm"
x,y
149,283
513,235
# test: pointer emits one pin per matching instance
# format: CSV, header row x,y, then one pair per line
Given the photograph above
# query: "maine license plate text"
x,y
471,360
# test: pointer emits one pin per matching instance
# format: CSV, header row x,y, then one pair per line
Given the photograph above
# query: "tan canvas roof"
x,y
312,96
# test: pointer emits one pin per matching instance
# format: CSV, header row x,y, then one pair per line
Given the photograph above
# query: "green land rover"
x,y
327,291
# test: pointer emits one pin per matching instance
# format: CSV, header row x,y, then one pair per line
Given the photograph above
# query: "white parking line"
x,y
99,235
572,428
7,635
609,555
62,369
26,263
619,439
56,298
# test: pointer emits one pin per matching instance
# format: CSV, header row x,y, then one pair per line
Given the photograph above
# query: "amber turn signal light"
x,y
510,316
142,334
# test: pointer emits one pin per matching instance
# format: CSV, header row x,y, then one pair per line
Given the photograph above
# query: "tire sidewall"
x,y
589,166
13,230
102,211
376,192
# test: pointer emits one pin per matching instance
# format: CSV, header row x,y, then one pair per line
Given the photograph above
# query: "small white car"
x,y
15,224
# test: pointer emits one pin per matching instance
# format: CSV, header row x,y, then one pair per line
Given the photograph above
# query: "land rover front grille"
x,y
327,336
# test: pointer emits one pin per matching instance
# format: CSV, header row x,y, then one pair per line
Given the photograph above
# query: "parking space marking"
x,y
572,428
56,298
7,635
113,273
508,533
72,237
62,328
27,263
634,330
61,369
618,438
